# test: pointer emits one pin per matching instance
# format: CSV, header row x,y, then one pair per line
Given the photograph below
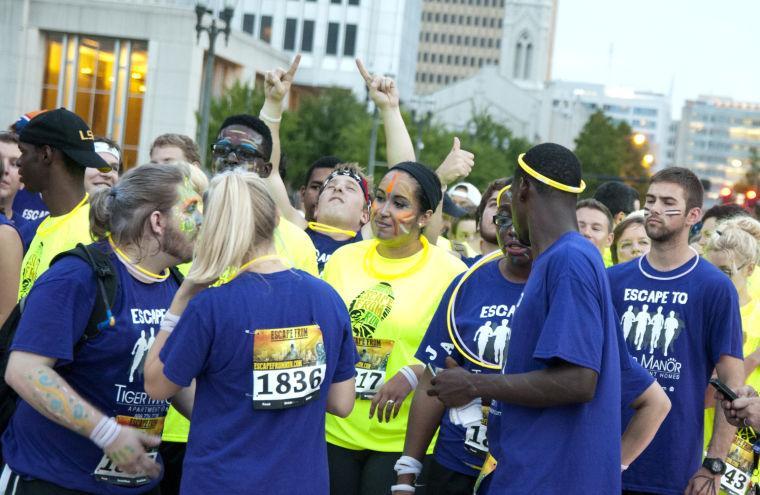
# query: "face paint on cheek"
x,y
402,219
672,212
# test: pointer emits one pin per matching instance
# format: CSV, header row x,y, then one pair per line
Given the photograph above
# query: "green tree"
x,y
606,152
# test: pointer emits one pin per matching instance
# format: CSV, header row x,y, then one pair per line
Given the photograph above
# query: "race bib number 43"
x,y
107,470
289,366
370,370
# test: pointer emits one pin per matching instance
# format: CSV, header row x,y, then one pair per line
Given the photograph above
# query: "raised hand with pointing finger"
x,y
382,89
277,82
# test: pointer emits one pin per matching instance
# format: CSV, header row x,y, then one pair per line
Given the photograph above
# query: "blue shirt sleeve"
x,y
345,370
724,322
57,311
573,330
186,350
633,382
430,349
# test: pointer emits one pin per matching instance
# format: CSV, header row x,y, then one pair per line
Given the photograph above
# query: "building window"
x,y
103,80
464,60
336,1
448,59
447,79
265,29
333,30
482,42
480,62
456,60
466,41
353,2
349,42
490,43
451,39
461,19
445,18
249,22
472,62
528,60
501,22
459,39
289,43
435,37
438,79
427,36
477,21
437,17
425,57
498,43
469,20
307,36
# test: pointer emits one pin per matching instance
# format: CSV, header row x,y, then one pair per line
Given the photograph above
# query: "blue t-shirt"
x,y
326,245
29,205
484,308
677,329
471,261
565,314
28,229
106,371
251,421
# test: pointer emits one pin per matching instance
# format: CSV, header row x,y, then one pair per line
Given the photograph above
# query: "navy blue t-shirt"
x,y
565,314
471,261
106,371
326,245
484,307
264,350
676,324
29,205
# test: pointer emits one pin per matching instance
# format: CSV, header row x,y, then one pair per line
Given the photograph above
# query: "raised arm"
x,y
383,92
276,86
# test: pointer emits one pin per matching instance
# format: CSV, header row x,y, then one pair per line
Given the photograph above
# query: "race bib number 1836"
x,y
289,366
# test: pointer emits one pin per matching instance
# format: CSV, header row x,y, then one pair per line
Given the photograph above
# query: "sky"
x,y
684,48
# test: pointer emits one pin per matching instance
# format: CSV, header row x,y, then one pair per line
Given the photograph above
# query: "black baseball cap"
x,y
66,131
451,208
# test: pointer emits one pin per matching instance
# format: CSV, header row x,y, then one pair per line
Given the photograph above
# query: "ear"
x,y
750,269
618,218
47,153
610,237
424,219
523,190
365,216
264,170
158,222
694,216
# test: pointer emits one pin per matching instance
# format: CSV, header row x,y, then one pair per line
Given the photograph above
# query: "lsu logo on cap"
x,y
88,136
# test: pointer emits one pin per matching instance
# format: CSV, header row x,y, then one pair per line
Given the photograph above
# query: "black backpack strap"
x,y
176,274
108,283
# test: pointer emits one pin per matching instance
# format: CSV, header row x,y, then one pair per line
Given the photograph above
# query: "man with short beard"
x,y
674,280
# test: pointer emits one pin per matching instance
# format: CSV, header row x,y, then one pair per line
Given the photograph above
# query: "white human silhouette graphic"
x,y
642,320
627,322
501,337
138,351
658,320
671,325
482,335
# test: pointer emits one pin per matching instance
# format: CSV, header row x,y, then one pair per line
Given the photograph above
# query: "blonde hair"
x,y
239,220
739,237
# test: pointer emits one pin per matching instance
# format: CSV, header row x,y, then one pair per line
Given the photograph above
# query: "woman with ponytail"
x,y
85,423
268,347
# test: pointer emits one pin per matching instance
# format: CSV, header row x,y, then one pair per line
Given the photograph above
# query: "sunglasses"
x,y
502,221
245,152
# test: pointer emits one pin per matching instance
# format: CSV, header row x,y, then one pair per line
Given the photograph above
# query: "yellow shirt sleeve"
x,y
295,245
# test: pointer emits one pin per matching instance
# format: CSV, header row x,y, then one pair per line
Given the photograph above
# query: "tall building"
x,y
572,103
131,70
715,137
330,34
459,37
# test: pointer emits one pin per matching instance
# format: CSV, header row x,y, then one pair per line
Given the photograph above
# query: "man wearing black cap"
x,y
56,146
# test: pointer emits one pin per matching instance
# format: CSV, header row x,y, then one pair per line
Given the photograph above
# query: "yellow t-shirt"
x,y
753,285
393,300
293,244
750,314
54,235
607,258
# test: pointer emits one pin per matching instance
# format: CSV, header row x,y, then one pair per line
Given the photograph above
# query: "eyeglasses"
x,y
245,153
502,221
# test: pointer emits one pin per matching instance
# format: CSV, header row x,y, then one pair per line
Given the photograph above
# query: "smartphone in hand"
x,y
721,387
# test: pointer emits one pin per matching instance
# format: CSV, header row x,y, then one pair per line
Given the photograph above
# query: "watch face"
x,y
714,465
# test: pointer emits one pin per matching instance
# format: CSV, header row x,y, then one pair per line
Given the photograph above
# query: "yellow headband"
x,y
546,180
502,191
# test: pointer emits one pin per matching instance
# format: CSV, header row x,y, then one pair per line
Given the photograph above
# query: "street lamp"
x,y
225,16
639,139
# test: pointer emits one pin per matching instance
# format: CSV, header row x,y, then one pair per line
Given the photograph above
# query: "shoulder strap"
x,y
108,283
176,274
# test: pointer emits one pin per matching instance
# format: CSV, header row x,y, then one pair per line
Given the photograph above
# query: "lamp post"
x,y
225,16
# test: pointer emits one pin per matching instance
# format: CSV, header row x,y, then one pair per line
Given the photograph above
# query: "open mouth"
x,y
514,248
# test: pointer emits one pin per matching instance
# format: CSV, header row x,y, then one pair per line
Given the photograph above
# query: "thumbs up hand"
x,y
457,165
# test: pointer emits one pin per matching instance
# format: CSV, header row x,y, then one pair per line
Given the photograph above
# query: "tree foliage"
x,y
607,152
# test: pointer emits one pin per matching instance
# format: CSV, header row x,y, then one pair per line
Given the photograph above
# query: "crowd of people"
x,y
170,332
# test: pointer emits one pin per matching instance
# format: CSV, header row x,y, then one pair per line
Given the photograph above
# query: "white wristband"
x,y
407,465
105,432
410,376
169,322
402,488
267,118
623,467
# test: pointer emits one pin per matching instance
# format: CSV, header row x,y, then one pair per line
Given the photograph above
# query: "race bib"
x,y
739,464
289,366
107,470
370,370
475,441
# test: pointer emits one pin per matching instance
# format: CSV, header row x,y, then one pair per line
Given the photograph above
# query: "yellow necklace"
x,y
370,262
329,229
137,267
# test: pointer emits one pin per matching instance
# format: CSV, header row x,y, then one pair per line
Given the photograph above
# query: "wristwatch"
x,y
714,465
